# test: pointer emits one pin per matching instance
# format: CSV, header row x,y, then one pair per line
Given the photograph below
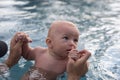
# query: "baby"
x,y
62,40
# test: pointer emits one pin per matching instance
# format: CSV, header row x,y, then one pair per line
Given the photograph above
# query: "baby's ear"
x,y
49,42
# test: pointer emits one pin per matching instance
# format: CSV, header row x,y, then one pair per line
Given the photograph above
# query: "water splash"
x,y
35,74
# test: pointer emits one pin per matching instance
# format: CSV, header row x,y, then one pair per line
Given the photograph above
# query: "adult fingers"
x,y
85,55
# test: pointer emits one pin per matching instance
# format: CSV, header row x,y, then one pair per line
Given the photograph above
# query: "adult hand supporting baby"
x,y
15,54
16,48
15,51
76,68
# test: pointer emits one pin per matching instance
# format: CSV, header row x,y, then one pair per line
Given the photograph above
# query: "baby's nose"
x,y
72,44
73,47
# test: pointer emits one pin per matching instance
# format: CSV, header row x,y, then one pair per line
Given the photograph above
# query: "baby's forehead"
x,y
68,30
62,26
59,23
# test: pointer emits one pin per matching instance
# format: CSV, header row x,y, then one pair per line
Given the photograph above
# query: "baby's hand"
x,y
23,37
19,36
74,54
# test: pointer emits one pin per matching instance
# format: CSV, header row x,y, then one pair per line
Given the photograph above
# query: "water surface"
x,y
97,20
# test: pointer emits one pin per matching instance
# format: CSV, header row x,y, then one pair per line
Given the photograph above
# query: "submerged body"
x,y
45,66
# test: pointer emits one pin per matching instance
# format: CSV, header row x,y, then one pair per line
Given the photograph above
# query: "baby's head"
x,y
62,36
57,26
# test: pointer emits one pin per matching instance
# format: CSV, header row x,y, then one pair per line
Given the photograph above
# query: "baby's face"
x,y
65,39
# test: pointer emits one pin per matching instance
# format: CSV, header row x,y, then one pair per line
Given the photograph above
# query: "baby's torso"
x,y
48,63
35,73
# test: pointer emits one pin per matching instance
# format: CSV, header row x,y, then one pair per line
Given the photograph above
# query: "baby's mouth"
x,y
68,50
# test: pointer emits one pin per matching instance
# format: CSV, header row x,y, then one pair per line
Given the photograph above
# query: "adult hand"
x,y
20,36
77,67
15,54
15,49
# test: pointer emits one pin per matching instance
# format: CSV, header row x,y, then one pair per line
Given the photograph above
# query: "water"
x,y
98,21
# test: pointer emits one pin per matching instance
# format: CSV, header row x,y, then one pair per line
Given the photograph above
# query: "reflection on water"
x,y
98,21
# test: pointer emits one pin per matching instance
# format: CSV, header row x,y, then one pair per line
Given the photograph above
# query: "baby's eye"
x,y
66,38
76,40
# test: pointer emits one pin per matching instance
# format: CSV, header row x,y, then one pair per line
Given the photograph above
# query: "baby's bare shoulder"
x,y
40,49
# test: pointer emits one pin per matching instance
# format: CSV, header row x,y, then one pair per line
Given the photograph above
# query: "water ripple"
x,y
98,21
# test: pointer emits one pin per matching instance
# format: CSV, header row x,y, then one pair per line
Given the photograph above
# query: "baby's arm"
x,y
27,51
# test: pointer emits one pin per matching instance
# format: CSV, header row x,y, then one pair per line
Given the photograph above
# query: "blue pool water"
x,y
98,21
